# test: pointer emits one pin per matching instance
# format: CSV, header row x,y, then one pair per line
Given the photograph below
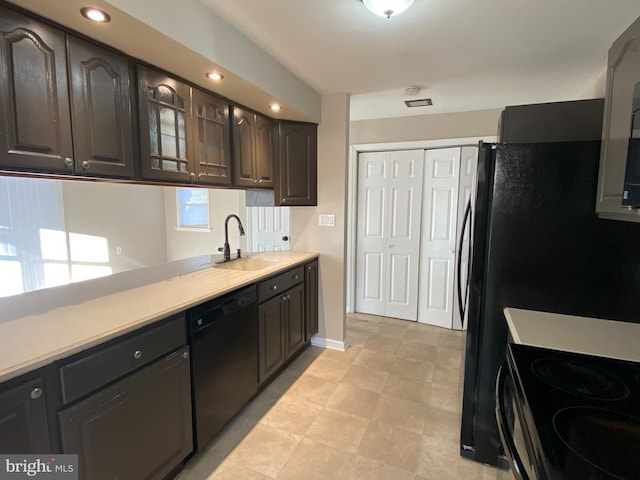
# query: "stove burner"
x,y
605,439
581,380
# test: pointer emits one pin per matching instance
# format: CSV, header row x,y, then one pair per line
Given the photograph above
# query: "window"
x,y
193,208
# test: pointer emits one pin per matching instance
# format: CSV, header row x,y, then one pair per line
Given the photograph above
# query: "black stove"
x,y
580,413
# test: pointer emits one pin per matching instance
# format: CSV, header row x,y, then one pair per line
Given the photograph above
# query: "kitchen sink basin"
x,y
249,264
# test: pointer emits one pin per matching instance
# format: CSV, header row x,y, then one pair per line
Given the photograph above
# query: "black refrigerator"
x,y
537,244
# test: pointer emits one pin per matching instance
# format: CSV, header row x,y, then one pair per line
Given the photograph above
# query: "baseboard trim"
x,y
328,343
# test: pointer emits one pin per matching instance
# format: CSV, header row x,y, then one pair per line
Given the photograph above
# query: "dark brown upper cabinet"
x,y
297,164
165,127
101,111
253,149
35,122
212,139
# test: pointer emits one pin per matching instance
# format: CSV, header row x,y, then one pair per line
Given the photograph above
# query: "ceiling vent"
x,y
423,102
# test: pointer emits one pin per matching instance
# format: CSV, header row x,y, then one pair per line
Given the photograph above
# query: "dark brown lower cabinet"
x,y
271,354
138,428
311,299
281,329
23,419
294,338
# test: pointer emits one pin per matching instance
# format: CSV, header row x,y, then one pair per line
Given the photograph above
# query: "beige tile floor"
x,y
387,408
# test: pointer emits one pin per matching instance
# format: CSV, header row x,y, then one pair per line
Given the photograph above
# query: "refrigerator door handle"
x,y
462,303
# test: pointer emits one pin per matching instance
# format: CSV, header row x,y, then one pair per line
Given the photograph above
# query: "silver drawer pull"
x,y
295,277
185,355
137,355
36,393
274,287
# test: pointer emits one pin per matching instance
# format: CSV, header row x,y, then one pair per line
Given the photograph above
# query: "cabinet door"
x,y
623,72
264,152
101,109
271,337
35,123
295,320
23,419
244,147
212,142
297,164
165,124
138,428
311,299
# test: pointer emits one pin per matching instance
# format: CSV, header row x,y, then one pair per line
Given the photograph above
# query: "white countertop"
x,y
590,336
36,340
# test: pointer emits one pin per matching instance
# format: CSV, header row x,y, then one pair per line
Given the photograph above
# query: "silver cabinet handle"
x,y
68,162
284,200
295,277
137,354
36,393
284,298
85,165
185,355
274,287
289,297
309,268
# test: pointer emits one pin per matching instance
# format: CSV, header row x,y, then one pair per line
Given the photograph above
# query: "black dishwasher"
x,y
223,334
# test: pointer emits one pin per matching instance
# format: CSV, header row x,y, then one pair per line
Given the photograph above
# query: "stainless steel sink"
x,y
249,264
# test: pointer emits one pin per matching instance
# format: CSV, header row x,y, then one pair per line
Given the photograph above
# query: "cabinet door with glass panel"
x,y
165,127
211,139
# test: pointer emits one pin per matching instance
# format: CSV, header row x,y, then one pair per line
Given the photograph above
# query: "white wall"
x,y
330,242
477,123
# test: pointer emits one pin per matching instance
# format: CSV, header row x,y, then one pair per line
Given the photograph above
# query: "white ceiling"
x,y
464,54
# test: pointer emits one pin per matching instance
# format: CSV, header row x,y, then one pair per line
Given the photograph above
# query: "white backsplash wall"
x,y
53,232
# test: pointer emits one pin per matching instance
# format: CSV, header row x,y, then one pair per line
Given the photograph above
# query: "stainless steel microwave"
x,y
631,193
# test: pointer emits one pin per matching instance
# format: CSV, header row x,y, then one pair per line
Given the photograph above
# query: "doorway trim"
x,y
352,193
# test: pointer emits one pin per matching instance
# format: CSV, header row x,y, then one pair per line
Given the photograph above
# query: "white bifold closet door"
x,y
388,232
439,237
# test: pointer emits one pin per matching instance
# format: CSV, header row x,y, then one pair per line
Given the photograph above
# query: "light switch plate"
x,y
327,220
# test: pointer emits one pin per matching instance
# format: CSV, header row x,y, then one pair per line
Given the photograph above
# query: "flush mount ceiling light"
x,y
387,8
215,76
275,107
95,15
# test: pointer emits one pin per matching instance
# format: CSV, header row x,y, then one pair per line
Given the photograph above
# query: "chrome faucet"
x,y
226,251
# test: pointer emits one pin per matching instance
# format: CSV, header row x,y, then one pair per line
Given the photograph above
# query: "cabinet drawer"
x,y
280,283
100,368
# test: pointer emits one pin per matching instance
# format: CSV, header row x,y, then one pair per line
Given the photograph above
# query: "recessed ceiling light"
x,y
215,76
95,15
423,102
275,107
